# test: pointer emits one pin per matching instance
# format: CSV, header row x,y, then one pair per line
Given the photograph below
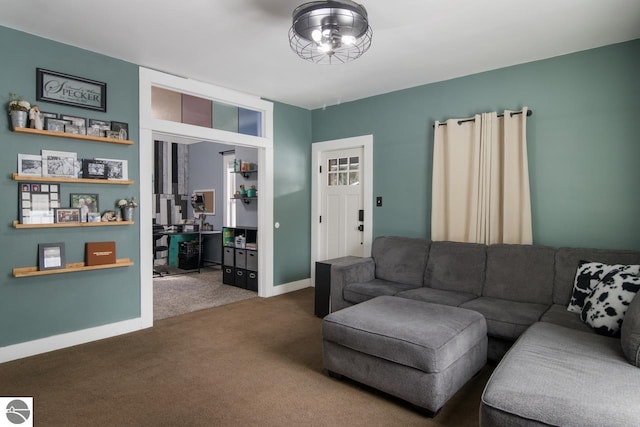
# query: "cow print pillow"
x,y
589,274
605,307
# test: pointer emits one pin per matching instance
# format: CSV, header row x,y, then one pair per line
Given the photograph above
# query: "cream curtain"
x,y
480,181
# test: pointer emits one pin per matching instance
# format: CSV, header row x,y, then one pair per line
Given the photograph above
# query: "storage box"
x,y
99,253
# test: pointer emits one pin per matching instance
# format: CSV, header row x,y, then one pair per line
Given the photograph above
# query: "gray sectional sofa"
x,y
559,372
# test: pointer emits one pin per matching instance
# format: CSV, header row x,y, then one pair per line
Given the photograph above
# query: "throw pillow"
x,y
605,307
588,275
630,338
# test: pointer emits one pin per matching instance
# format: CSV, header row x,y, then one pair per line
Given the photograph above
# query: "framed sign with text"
x,y
70,90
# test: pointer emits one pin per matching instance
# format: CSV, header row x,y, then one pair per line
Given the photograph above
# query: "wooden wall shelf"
x,y
73,136
59,179
71,268
16,224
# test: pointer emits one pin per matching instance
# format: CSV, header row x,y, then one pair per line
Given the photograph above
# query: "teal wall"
x,y
583,143
292,196
32,308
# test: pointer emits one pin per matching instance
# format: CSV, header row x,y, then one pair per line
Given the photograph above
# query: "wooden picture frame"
x,y
60,88
66,215
51,256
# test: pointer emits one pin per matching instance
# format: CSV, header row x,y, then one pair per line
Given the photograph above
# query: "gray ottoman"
x,y
420,352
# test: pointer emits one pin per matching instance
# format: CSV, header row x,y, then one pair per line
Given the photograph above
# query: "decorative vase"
x,y
18,118
127,213
251,192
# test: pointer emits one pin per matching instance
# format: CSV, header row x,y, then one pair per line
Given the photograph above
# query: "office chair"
x,y
157,248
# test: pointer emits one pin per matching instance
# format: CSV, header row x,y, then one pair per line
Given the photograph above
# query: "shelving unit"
x,y
73,136
70,268
60,179
75,266
245,199
16,224
240,263
248,173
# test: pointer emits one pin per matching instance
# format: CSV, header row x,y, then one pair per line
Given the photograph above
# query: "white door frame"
x,y
366,143
264,144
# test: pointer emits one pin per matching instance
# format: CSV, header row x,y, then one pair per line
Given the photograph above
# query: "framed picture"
x,y
45,115
112,134
86,202
59,163
74,129
30,164
121,128
36,202
117,169
51,256
65,215
66,89
76,121
94,169
102,124
93,217
55,125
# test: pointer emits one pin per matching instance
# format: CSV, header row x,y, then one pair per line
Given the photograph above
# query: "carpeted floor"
x,y
183,293
256,362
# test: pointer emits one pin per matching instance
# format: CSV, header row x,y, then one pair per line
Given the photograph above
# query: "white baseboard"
x,y
290,287
57,342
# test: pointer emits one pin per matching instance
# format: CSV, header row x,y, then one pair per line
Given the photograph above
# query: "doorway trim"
x,y
264,144
317,149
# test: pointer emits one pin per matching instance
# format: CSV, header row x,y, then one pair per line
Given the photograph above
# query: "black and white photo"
x,y
55,125
94,169
30,164
51,256
118,169
59,163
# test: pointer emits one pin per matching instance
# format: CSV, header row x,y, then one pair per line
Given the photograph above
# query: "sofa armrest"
x,y
349,270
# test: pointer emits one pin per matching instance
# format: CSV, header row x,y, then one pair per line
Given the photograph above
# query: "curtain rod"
x,y
513,113
227,152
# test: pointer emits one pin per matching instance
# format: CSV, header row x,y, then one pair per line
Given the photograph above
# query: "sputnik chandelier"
x,y
330,32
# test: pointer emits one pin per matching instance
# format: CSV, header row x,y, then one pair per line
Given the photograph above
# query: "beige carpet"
x,y
257,362
183,293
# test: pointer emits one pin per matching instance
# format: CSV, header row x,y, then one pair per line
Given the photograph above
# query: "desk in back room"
x,y
211,254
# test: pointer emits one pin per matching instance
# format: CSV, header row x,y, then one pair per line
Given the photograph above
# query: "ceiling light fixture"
x,y
330,32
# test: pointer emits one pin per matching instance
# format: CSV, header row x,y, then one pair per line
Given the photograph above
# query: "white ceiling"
x,y
243,44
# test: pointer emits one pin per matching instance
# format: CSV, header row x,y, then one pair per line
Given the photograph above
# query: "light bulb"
x,y
316,35
324,47
348,40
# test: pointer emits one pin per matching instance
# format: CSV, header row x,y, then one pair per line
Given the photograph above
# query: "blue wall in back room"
x,y
582,143
39,307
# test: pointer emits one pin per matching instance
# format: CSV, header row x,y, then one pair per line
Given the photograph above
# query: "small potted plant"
x,y
18,110
126,207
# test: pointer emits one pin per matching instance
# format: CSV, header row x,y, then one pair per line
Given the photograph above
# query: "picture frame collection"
x,y
65,164
66,123
40,203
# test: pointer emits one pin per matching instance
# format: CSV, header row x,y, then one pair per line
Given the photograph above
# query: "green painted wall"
x,y
32,308
292,197
583,143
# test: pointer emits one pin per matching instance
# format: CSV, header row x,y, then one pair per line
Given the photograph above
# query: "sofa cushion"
x,y
400,259
456,266
506,319
605,307
630,336
588,276
358,292
521,273
558,315
437,296
568,259
555,376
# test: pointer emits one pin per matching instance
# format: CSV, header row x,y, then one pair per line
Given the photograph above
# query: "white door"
x,y
341,222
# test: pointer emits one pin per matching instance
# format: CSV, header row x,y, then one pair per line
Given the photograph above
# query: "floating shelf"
x,y
73,136
71,268
246,174
245,199
16,224
17,177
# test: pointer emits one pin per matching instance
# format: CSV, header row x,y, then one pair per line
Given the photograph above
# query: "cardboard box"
x,y
99,253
